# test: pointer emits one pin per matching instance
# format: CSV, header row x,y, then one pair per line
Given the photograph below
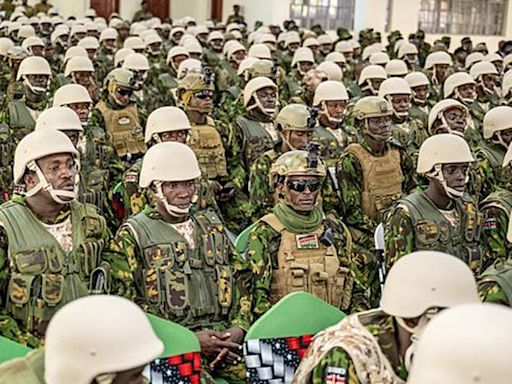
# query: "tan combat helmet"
x,y
419,284
332,70
59,118
495,121
329,91
371,72
437,113
438,58
444,148
417,79
478,70
396,68
260,51
30,42
5,45
174,52
395,86
71,94
468,344
302,54
119,340
506,86
168,162
250,90
452,82
30,149
165,119
78,64
371,106
473,58
34,65
119,77
379,58
294,117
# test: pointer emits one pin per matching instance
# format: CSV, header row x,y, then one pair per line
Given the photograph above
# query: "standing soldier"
x,y
332,132
53,244
182,266
119,116
295,127
297,239
442,217
377,346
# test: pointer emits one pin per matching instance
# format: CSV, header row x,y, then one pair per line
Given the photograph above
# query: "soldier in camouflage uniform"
x,y
119,116
297,237
296,131
104,62
50,245
303,60
253,133
409,132
376,346
226,73
332,132
437,67
213,52
485,75
15,88
80,70
182,266
368,83
291,44
442,217
420,108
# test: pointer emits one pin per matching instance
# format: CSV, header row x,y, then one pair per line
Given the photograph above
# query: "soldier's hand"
x,y
227,192
213,343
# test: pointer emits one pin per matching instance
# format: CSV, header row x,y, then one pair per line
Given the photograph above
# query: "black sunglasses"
x,y
204,95
124,92
301,185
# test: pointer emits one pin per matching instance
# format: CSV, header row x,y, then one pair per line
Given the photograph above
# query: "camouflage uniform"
x,y
333,141
73,244
495,284
491,174
410,134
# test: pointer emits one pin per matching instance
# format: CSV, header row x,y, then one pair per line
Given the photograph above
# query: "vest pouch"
x,y
55,263
298,277
52,289
224,285
474,258
100,281
176,290
158,256
209,249
152,285
31,262
89,256
220,247
318,281
384,202
427,233
97,180
20,287
92,226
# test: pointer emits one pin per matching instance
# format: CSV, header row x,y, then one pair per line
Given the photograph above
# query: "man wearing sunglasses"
x,y
296,246
119,116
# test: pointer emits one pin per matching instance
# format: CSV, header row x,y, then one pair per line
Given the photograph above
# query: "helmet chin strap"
x,y
43,184
445,125
437,173
173,210
257,104
500,140
416,333
324,111
369,87
287,142
33,88
467,100
487,91
374,136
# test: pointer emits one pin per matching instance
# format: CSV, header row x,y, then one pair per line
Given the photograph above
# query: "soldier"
x,y
80,70
76,330
21,114
42,7
442,217
213,52
420,86
449,116
376,346
302,61
182,266
297,239
485,75
226,75
446,351
15,87
147,96
48,238
409,132
409,54
119,116
496,209
295,126
396,68
291,44
331,132
437,66
369,82
104,62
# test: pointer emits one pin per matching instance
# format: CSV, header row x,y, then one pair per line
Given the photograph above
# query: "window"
x,y
463,17
330,14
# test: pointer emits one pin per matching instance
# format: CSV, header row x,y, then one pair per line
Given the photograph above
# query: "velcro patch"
x,y
309,241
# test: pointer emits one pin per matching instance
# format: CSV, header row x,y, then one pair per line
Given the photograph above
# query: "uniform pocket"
x,y
224,285
52,289
176,287
20,287
32,263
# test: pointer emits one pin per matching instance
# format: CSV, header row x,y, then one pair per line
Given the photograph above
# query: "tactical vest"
x,y
501,274
21,121
382,179
351,335
495,156
304,263
206,143
433,231
193,287
123,128
44,277
258,140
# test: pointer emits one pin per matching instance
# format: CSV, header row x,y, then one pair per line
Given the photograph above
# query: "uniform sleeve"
x,y
260,193
122,254
490,292
259,259
242,316
96,119
399,235
235,156
409,172
335,367
494,236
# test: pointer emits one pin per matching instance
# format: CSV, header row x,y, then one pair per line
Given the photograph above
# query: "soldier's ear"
x,y
280,190
30,179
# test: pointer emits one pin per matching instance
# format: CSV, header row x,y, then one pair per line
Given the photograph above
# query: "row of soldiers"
x,y
167,167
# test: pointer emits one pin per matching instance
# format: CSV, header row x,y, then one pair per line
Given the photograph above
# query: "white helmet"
x,y
394,86
506,86
135,43
233,48
108,34
34,65
246,64
169,161
379,58
468,344
330,91
336,57
89,42
325,39
250,90
507,60
371,72
260,51
370,50
121,55
482,68
454,81
30,149
193,47
310,42
78,64
407,49
136,62
291,38
417,79
176,51
75,52
344,47
71,94
80,345
32,41
332,70
165,119
214,35
5,45
438,58
59,118
496,120
472,58
437,112
302,54
188,65
396,68
26,31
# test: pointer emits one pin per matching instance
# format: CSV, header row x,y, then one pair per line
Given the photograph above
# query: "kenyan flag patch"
x,y
309,241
